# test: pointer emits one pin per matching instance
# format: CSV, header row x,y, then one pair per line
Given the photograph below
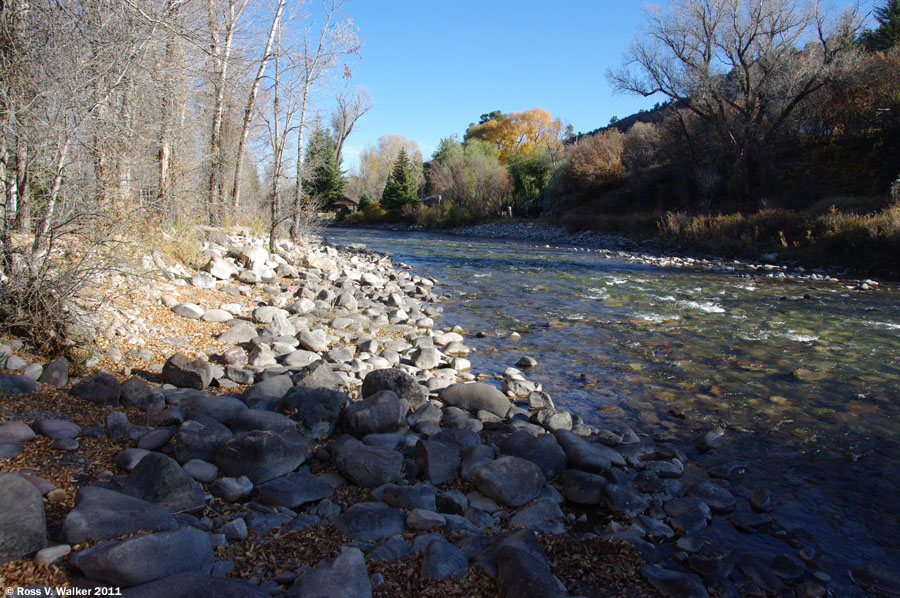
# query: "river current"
x,y
803,375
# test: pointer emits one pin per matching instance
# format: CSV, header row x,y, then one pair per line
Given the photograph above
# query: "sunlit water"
x,y
805,375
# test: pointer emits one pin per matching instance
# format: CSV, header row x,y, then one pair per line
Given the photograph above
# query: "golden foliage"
x,y
521,131
597,159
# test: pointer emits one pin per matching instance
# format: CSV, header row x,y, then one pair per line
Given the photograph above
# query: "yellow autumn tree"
x,y
523,132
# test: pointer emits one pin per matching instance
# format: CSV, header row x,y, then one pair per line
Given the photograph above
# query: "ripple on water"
x,y
704,306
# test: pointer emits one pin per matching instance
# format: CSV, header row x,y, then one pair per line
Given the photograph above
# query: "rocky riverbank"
x,y
297,423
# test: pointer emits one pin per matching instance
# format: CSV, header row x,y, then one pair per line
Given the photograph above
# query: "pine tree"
x,y
325,180
887,35
401,188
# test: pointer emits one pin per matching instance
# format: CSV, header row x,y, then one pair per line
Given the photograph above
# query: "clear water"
x,y
804,375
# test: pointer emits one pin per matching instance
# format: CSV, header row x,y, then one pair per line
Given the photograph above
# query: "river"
x,y
803,375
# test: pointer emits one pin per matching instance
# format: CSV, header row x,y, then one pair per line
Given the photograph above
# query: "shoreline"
x,y
340,380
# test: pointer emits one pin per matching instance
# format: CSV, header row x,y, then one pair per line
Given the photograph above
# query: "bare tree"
x,y
248,110
319,54
220,55
741,67
347,112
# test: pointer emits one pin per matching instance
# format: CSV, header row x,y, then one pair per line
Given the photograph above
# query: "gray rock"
x,y
222,408
687,515
254,419
525,573
300,358
145,558
183,372
380,413
625,500
751,523
582,487
458,438
313,340
201,470
587,456
392,549
15,431
418,496
552,419
101,388
437,462
366,466
162,481
101,514
56,373
473,457
135,391
371,521
476,396
543,450
216,315
199,441
397,381
717,498
262,455
242,332
22,521
423,519
761,500
511,481
674,584
155,439
268,392
191,311
346,576
57,428
294,490
443,559
116,424
232,489
191,585
317,409
543,516
129,458
16,384
236,530
318,375
14,363
9,450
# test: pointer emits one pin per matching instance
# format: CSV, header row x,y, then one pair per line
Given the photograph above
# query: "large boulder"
x,y
160,480
587,456
267,393
183,372
262,455
101,388
476,396
317,409
56,373
397,381
294,489
146,558
510,480
221,408
22,521
380,413
366,466
542,450
101,514
369,521
346,577
437,462
199,441
443,559
254,419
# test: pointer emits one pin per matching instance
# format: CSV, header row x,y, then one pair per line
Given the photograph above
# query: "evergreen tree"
x,y
401,188
887,35
324,180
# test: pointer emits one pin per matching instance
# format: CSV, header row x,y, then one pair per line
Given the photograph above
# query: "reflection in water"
x,y
804,374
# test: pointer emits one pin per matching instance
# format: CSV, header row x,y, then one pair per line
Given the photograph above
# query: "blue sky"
x,y
434,66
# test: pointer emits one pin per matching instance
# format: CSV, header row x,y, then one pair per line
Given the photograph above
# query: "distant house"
x,y
346,203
